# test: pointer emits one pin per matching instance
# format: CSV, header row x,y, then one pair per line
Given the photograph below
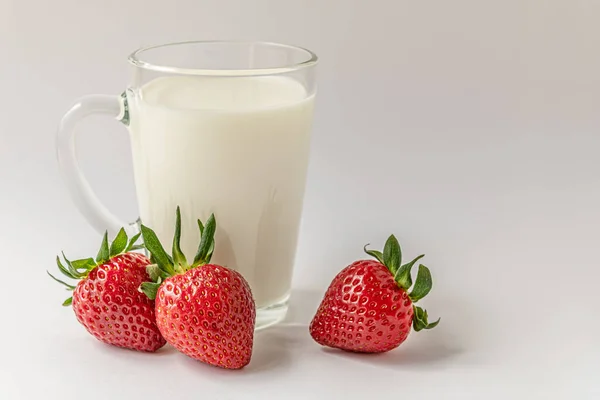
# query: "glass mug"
x,y
215,127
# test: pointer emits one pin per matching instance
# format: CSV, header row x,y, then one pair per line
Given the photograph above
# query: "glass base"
x,y
271,315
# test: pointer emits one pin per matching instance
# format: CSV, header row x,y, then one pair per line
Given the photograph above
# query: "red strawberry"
x,y
106,299
367,307
204,310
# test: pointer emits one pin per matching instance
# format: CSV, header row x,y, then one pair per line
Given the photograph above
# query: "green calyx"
x,y
420,319
80,269
392,259
165,265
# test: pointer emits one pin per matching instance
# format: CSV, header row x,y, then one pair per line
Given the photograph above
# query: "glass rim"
x,y
135,59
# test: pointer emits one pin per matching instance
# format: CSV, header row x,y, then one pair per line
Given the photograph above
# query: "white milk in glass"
x,y
233,146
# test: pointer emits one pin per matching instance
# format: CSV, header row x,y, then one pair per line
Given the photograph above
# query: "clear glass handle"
x,y
84,197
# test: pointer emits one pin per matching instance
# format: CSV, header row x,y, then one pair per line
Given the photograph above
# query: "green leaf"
x,y
68,286
72,270
159,255
433,324
150,288
68,302
155,273
374,253
403,275
68,263
103,253
420,320
392,254
178,256
65,271
131,246
86,264
212,245
119,243
206,242
423,284
179,269
211,249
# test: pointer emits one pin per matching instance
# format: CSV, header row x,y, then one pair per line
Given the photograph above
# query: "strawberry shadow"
x,y
275,348
166,351
424,354
303,306
279,346
121,352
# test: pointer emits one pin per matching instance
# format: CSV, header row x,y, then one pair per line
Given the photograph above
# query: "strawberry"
x,y
106,299
205,311
367,307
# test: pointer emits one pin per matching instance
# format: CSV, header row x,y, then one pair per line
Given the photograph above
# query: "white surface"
x,y
469,128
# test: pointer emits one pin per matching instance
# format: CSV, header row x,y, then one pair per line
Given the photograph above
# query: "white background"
x,y
469,128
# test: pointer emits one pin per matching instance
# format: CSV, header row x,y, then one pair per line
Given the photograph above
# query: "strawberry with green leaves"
x,y
368,307
204,310
106,300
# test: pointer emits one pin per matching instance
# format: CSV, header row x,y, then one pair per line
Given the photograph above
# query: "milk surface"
x,y
236,147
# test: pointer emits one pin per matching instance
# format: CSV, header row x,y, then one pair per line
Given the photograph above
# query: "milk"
x,y
233,146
